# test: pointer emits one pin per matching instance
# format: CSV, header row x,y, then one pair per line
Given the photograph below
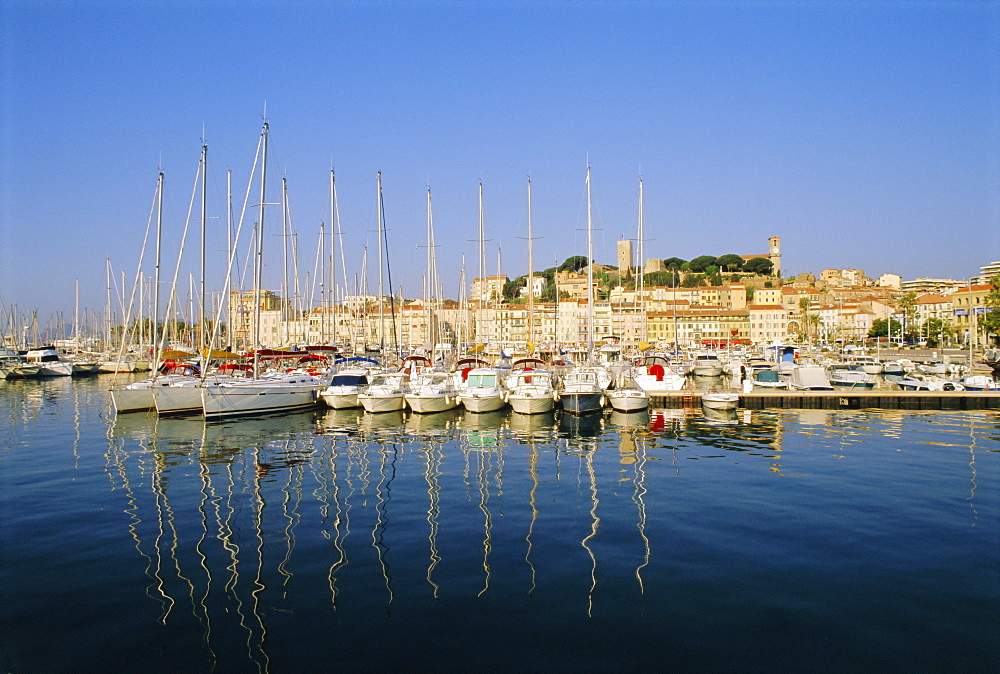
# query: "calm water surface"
x,y
774,540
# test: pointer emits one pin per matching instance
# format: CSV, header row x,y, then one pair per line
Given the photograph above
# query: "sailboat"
x,y
582,388
274,391
138,396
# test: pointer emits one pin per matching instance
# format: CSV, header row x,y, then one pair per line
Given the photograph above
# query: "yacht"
x,y
532,391
482,390
432,392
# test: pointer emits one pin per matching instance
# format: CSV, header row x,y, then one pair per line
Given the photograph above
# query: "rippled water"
x,y
767,540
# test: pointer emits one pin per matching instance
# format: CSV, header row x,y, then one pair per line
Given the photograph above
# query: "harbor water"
x,y
764,540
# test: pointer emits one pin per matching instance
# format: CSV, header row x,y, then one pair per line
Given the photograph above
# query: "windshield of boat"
x,y
483,380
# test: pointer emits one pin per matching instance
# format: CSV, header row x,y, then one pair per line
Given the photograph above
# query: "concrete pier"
x,y
847,400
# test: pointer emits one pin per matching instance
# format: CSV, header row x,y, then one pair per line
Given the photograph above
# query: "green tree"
x,y
730,262
693,280
759,265
882,326
701,263
574,263
675,263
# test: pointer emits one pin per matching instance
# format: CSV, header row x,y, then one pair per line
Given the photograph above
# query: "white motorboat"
x,y
14,366
274,392
980,382
655,376
720,400
767,378
482,390
843,375
810,378
432,392
384,393
707,365
342,393
936,384
626,395
532,391
50,363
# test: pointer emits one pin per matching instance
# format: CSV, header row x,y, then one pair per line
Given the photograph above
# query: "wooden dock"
x,y
847,400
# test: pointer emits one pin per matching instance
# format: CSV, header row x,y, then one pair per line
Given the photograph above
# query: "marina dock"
x,y
852,400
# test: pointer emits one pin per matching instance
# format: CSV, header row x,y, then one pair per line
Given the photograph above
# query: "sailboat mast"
x,y
332,274
381,308
204,218
590,274
156,280
531,279
259,262
641,284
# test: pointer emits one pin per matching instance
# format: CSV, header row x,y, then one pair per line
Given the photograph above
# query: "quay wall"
x,y
854,400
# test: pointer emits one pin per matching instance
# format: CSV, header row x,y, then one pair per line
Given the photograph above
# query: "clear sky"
x,y
864,134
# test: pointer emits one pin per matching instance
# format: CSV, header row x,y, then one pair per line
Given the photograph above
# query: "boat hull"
x,y
720,401
382,403
248,399
428,404
479,404
582,403
340,400
531,403
628,401
138,399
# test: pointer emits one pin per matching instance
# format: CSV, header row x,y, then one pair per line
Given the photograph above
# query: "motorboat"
x,y
655,376
707,365
482,390
581,390
626,395
893,367
914,384
868,364
767,378
384,393
532,391
980,382
342,393
843,375
432,392
810,378
720,400
50,363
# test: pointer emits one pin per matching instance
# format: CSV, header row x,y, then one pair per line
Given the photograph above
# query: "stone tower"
x,y
773,254
624,256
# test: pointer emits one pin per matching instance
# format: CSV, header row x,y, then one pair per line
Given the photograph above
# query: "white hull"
x,y
531,403
428,404
138,399
56,369
228,400
479,403
340,400
377,403
707,370
720,401
178,400
628,400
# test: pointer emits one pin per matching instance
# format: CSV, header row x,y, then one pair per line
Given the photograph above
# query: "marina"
x,y
696,539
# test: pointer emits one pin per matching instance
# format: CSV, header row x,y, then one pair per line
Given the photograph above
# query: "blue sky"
x,y
865,134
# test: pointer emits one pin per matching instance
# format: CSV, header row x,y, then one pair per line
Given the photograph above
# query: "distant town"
x,y
708,301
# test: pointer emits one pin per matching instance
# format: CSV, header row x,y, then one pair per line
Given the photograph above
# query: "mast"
x,y
531,281
590,274
204,217
258,266
332,286
641,285
156,280
381,307
284,261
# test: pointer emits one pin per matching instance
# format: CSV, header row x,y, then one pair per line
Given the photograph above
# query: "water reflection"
x,y
239,528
